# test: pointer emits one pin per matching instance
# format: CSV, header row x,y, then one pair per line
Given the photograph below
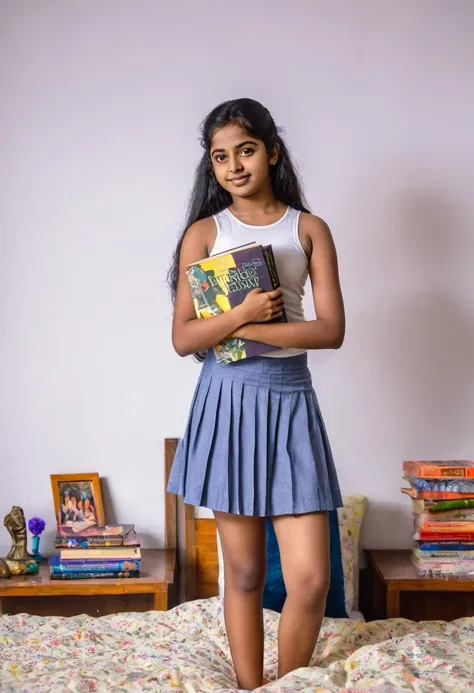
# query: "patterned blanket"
x,y
186,649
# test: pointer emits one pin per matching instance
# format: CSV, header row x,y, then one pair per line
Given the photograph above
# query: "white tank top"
x,y
290,258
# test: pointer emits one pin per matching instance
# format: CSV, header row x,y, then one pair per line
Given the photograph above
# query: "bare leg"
x,y
243,548
304,549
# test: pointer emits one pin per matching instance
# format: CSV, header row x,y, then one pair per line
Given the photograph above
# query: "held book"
x,y
221,282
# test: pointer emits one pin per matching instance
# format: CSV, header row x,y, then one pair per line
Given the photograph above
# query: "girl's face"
x,y
240,161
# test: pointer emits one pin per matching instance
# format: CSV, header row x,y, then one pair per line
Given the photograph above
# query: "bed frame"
x,y
195,541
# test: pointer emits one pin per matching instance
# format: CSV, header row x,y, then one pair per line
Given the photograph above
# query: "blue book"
x,y
58,568
447,546
88,575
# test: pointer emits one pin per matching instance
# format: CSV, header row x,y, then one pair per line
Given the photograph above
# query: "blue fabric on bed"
x,y
274,594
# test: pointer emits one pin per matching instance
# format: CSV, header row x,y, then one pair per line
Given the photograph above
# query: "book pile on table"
x,y
442,495
95,551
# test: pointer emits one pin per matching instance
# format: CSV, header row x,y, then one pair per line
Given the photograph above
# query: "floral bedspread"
x,y
186,649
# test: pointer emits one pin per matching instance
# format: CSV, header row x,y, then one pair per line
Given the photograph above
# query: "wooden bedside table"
x,y
39,595
393,574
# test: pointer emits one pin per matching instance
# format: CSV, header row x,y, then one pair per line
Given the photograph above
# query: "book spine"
x,y
459,555
273,272
427,471
106,556
81,575
436,495
271,265
97,542
448,527
446,546
444,536
97,567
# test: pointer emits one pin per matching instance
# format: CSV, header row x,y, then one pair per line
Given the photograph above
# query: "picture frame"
x,y
77,499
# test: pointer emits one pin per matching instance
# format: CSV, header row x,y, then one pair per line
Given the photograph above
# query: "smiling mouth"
x,y
239,180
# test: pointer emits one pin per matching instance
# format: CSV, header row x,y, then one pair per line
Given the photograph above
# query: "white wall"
x,y
101,105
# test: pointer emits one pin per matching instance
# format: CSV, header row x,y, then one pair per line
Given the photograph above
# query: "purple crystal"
x,y
36,525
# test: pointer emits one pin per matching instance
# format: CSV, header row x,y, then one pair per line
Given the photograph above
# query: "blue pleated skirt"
x,y
255,442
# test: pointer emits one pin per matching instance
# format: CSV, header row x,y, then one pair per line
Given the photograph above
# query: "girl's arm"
x,y
190,335
327,331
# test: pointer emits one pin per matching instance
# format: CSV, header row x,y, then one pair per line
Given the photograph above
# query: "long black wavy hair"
x,y
208,197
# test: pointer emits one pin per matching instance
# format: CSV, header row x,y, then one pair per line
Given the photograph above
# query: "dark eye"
x,y
220,158
248,151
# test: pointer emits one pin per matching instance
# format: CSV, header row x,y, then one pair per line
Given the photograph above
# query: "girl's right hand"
x,y
261,306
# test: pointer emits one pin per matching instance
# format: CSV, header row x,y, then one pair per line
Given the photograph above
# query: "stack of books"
x,y
442,496
95,551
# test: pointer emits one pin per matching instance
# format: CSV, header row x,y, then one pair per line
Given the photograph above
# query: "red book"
x,y
444,536
448,469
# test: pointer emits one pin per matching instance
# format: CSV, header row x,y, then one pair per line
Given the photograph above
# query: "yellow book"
x,y
221,282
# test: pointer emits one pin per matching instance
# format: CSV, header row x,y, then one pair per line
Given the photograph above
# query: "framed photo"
x,y
77,499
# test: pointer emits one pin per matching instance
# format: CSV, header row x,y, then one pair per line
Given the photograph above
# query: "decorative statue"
x,y
4,569
16,525
18,560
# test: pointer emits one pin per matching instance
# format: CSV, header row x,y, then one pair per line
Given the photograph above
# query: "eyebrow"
x,y
238,146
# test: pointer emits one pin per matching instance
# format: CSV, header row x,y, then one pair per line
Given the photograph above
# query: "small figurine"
x,y
4,569
18,560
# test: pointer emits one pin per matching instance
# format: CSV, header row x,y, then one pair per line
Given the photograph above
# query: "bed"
x,y
185,648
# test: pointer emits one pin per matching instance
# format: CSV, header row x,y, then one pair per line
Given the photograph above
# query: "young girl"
x,y
255,444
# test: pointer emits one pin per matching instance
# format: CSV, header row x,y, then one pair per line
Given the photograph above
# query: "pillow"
x,y
274,594
350,518
347,533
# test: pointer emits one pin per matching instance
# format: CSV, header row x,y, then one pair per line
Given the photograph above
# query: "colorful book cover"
x,y
458,485
96,535
435,495
440,469
221,282
82,575
91,542
57,567
113,530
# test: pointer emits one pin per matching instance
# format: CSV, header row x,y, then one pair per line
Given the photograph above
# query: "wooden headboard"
x,y
195,540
